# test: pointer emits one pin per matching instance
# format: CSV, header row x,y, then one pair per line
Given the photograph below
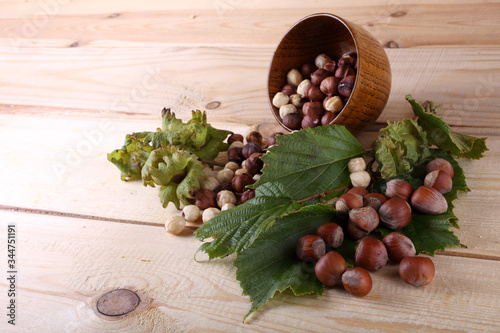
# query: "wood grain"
x,y
137,80
78,75
178,294
235,22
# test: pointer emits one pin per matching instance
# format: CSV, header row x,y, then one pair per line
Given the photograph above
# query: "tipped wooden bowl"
x,y
334,36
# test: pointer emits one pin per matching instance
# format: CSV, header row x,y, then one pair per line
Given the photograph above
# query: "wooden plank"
x,y
66,264
137,80
235,22
65,171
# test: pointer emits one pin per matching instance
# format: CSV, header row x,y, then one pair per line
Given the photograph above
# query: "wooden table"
x,y
76,76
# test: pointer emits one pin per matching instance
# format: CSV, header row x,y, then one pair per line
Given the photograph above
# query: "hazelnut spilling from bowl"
x,y
315,94
327,70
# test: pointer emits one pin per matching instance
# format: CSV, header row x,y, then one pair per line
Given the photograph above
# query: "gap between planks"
x,y
449,253
76,215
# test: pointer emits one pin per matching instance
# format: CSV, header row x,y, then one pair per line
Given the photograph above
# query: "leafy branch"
x,y
172,156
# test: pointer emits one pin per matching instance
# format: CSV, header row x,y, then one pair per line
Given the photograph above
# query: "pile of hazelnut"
x,y
363,211
223,188
315,94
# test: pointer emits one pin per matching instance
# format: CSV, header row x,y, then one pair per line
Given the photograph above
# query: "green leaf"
x,y
400,147
270,264
237,228
130,158
311,161
441,135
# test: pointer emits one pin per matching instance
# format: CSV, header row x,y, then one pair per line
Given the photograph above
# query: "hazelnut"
x,y
329,86
209,183
235,155
254,164
280,99
327,118
356,164
321,60
313,108
271,140
358,190
250,148
347,202
255,137
234,137
398,188
293,121
374,200
428,200
360,178
227,206
294,77
236,144
347,59
395,213
346,85
296,100
362,221
239,182
314,94
440,180
247,195
286,109
333,104
371,254
318,76
357,281
329,268
330,67
175,225
311,121
209,213
343,70
289,89
179,176
241,171
231,166
417,271
205,199
225,175
224,197
191,213
398,246
310,248
301,88
440,164
307,70
332,234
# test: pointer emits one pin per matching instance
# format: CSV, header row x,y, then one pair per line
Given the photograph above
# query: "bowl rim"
x,y
308,17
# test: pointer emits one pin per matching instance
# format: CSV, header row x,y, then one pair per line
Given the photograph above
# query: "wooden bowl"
x,y
334,36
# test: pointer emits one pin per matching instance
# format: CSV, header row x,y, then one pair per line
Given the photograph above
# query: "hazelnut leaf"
x,y
310,161
130,158
237,228
166,162
270,265
400,147
441,135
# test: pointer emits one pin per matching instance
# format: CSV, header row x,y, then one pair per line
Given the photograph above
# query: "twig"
x,y
324,193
